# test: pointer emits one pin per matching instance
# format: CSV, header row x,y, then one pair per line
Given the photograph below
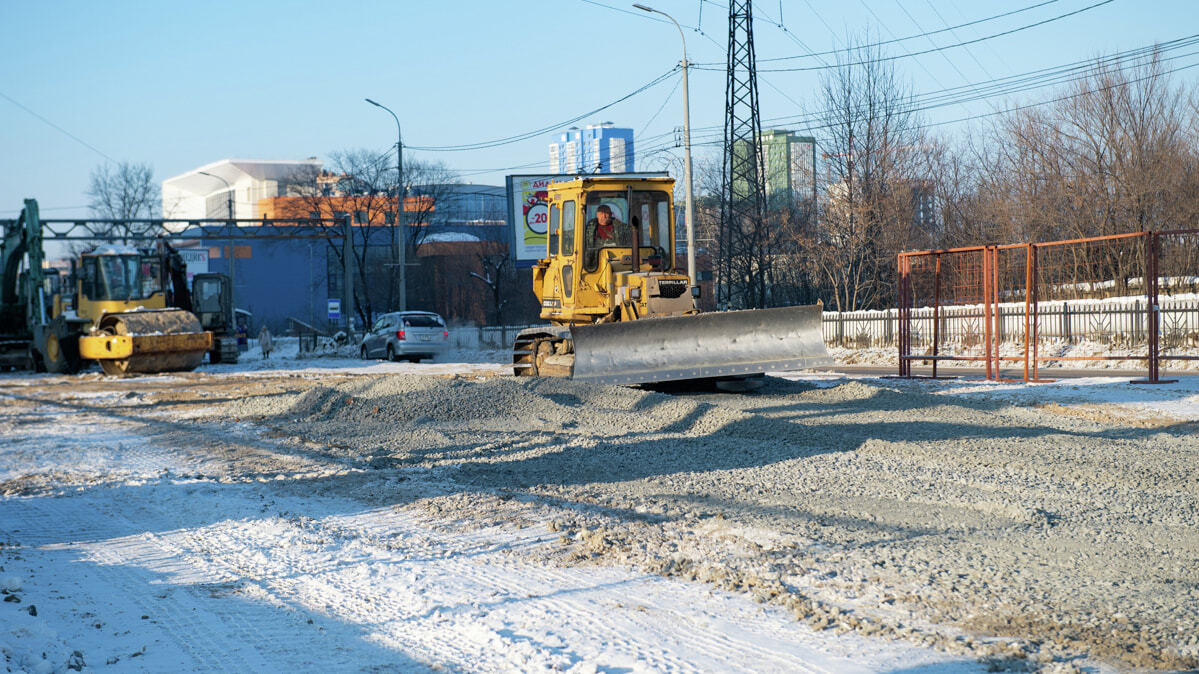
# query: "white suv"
x,y
406,335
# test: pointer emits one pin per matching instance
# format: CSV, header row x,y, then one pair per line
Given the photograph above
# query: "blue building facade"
x,y
292,272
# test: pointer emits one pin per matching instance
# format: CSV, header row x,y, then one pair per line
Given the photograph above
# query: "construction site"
x,y
856,395
634,485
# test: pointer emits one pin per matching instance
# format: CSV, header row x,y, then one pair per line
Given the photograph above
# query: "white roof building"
x,y
209,191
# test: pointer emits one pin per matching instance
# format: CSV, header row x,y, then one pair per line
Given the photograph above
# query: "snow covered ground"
x,y
878,356
128,544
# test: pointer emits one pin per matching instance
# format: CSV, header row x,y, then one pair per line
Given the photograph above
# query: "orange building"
x,y
373,210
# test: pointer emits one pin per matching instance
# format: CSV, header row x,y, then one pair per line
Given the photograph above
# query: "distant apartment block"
x,y
789,163
924,204
597,148
788,167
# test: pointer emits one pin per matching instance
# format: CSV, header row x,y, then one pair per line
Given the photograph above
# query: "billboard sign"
x,y
528,214
196,260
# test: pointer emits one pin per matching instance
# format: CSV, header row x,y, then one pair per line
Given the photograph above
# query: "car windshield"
x,y
422,321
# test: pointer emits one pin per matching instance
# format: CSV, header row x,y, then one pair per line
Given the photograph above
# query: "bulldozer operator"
x,y
605,231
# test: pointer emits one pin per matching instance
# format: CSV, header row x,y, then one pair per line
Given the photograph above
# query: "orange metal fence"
x,y
1004,306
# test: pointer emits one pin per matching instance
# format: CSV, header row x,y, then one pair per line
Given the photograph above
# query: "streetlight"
x,y
399,251
232,275
686,148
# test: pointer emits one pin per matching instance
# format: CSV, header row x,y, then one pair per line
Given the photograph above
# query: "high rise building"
x,y
789,163
788,166
596,148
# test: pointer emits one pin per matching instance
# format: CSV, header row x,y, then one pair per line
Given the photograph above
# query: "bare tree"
x,y
1114,154
874,173
124,191
432,190
362,185
356,186
499,277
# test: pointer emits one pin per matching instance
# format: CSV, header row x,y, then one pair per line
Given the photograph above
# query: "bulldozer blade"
x,y
701,346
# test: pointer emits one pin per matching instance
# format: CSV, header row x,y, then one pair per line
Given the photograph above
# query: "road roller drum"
x,y
163,340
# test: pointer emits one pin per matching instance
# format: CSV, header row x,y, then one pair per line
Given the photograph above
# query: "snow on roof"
x,y
114,249
451,237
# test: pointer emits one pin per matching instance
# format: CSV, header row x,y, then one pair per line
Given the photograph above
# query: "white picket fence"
x,y
1119,321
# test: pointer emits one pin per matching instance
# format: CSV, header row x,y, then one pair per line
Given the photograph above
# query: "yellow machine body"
x,y
121,318
584,280
622,313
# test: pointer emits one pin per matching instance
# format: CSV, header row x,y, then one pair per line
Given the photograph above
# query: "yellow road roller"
x,y
121,295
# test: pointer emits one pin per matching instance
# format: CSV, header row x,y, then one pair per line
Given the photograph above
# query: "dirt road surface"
x,y
1055,534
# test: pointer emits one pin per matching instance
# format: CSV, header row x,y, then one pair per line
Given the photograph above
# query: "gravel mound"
x,y
1011,532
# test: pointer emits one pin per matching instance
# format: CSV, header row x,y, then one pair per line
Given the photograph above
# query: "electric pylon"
x,y
741,281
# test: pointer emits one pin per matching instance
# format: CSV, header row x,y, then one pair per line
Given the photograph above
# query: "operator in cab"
x,y
604,231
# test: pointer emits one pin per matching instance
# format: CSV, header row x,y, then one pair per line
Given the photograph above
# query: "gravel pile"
x,y
1016,533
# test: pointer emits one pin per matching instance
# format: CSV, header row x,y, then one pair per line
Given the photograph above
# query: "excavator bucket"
x,y
700,346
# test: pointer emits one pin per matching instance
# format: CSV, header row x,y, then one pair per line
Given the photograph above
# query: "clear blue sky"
x,y
179,85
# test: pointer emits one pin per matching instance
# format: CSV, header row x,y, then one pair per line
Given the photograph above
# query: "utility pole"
x,y
232,226
691,275
399,250
347,270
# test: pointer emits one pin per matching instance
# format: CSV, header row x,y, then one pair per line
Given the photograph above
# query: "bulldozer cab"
x,y
644,214
593,225
212,303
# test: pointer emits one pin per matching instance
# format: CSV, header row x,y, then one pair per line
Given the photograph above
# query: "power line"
x,y
660,109
969,51
1017,83
482,145
58,128
910,37
1066,74
1011,84
930,40
709,66
905,50
714,140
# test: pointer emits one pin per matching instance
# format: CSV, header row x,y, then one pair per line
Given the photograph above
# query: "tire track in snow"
x,y
374,586
62,525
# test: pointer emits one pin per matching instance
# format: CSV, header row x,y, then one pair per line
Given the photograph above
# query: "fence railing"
x,y
1104,289
1118,322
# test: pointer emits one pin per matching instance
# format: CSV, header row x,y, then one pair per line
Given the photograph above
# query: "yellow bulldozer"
x,y
619,311
112,308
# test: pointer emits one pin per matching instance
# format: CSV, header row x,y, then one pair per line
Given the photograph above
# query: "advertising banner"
x,y
528,215
196,260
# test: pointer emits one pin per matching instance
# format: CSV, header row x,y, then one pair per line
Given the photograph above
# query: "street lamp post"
x,y
400,250
232,257
686,149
